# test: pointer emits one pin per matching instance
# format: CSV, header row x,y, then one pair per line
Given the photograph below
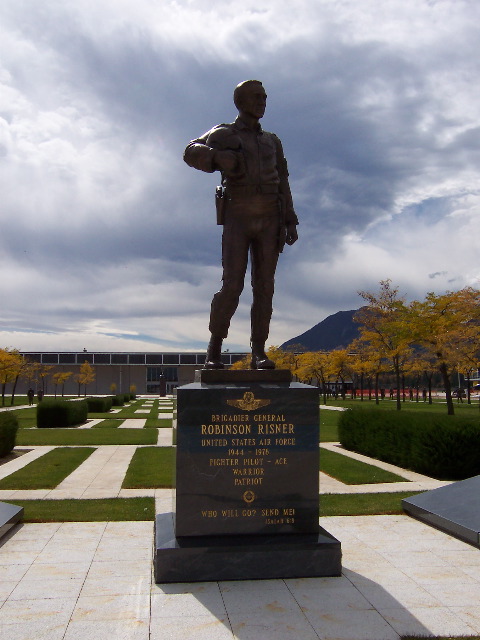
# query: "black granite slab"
x,y
242,557
454,509
247,459
10,515
225,376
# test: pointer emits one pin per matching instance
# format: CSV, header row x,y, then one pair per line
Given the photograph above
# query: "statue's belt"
x,y
239,191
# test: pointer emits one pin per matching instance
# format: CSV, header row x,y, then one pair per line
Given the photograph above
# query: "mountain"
x,y
335,332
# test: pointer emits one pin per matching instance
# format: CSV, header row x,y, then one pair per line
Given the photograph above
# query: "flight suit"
x,y
258,207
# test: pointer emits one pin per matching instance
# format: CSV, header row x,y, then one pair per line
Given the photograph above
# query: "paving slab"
x,y
100,476
133,423
165,436
49,593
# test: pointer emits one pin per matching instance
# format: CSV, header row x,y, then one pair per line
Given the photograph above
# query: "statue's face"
x,y
254,101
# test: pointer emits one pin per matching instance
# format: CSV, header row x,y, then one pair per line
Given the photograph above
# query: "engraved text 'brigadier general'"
x,y
254,204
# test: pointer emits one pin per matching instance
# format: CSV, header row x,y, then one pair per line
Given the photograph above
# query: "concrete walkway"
x,y
76,581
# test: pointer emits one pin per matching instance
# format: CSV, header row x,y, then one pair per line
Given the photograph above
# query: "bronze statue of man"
x,y
255,207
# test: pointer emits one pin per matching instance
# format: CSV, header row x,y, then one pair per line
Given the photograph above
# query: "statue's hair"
x,y
239,90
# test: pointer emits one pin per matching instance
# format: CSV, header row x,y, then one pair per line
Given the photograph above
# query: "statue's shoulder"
x,y
223,136
271,135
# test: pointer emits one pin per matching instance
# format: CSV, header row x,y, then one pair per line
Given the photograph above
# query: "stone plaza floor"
x,y
72,581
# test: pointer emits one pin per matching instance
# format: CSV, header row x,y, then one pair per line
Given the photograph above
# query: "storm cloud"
x,y
109,240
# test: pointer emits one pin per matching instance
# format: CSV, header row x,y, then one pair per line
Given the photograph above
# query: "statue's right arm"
x,y
199,155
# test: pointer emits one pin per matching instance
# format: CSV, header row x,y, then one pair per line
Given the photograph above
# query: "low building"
x,y
124,370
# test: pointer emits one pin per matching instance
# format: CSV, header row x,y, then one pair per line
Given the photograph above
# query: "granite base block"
x,y
454,509
10,515
243,557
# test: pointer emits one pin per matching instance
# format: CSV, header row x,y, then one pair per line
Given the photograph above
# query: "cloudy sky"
x,y
108,239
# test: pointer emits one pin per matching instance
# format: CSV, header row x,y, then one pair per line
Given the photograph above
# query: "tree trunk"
x,y
397,376
12,402
448,388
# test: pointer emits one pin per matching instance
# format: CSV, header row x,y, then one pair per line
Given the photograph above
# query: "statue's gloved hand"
x,y
227,161
292,235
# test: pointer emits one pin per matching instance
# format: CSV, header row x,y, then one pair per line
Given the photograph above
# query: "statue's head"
x,y
250,98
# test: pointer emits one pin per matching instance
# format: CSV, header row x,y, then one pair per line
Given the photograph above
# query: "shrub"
x,y
118,400
443,447
99,405
55,414
126,397
8,432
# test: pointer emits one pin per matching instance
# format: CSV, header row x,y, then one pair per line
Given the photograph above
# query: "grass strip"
x,y
159,423
363,504
351,471
109,423
438,406
328,425
78,510
27,418
48,471
150,468
79,437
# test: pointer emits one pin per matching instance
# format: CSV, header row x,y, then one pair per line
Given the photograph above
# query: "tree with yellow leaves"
x,y
85,377
447,326
59,378
384,327
10,363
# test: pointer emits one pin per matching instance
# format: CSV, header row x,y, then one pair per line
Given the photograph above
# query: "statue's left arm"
x,y
290,216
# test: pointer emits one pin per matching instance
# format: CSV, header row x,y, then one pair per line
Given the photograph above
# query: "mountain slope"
x,y
335,332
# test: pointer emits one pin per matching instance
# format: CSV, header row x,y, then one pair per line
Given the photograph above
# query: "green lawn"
x,y
363,504
350,471
94,437
109,423
159,423
328,425
27,418
150,467
79,510
438,406
48,471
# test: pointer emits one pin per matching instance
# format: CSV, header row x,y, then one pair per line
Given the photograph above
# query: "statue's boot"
x,y
259,357
214,354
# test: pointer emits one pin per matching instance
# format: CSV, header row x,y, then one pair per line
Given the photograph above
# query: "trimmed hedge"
x,y
8,432
55,414
439,446
99,405
118,400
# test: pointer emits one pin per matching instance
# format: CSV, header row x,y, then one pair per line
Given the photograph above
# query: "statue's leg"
x,y
235,242
264,257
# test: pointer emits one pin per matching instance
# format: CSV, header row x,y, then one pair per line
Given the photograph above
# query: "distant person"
x,y
39,395
30,395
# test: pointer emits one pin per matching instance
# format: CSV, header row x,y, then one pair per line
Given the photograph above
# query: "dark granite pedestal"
x,y
454,509
243,557
247,482
10,515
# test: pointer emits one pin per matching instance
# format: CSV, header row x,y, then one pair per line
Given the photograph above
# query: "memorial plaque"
x,y
247,459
